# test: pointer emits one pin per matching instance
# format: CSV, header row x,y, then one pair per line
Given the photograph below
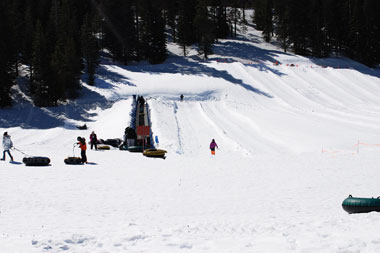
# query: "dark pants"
x,y
9,153
84,157
94,144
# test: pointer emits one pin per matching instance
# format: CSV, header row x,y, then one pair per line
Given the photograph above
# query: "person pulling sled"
x,y
83,147
7,145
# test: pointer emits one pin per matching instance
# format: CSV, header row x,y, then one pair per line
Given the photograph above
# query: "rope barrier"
x,y
367,144
357,145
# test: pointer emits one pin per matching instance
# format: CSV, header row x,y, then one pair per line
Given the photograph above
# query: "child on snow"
x,y
213,145
83,148
7,145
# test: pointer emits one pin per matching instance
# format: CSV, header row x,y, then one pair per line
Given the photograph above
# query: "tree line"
x,y
60,41
321,28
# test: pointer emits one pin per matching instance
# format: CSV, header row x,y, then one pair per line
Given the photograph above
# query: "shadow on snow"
x,y
187,66
25,115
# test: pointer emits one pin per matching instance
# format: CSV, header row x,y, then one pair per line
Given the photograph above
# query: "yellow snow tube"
x,y
104,147
152,152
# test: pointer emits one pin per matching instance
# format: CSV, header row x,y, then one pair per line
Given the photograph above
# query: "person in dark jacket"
x,y
130,136
94,140
213,145
83,148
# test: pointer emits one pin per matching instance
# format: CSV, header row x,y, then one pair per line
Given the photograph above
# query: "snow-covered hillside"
x,y
294,140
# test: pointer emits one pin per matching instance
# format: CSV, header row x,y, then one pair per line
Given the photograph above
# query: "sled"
x,y
112,142
155,153
361,205
36,161
84,127
103,147
73,160
135,149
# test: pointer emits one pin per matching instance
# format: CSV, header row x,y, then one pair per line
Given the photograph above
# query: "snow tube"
x,y
361,205
152,152
104,147
73,160
112,142
135,149
36,161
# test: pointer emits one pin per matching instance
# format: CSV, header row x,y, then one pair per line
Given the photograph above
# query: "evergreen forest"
x,y
62,41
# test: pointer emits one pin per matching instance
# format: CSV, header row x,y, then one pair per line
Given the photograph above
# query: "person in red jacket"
x,y
83,148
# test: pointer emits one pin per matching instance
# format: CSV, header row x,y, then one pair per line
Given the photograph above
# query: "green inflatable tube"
x,y
361,205
135,149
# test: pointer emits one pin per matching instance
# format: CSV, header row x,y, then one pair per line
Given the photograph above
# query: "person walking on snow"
x,y
213,145
83,148
7,145
93,140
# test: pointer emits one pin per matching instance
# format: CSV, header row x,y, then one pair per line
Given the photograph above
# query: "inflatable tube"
x,y
135,149
36,161
361,205
73,160
152,152
112,142
104,147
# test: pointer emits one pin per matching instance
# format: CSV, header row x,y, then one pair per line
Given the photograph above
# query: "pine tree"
x,y
281,18
153,38
39,78
259,15
204,28
66,55
16,10
218,12
90,48
268,20
364,33
120,30
234,15
298,22
7,54
186,30
27,40
170,14
316,29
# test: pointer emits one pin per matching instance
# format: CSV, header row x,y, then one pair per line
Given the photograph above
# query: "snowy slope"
x,y
287,158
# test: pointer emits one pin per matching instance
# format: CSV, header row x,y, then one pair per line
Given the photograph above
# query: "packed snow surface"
x,y
295,139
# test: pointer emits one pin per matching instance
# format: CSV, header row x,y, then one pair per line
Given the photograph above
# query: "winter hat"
x,y
79,138
5,133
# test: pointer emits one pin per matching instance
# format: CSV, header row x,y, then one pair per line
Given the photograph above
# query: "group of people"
x,y
129,137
